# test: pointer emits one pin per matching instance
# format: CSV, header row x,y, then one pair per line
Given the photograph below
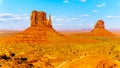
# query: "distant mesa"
x,y
99,29
40,30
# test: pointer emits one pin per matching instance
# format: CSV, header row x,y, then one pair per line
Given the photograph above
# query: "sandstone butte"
x,y
99,29
40,30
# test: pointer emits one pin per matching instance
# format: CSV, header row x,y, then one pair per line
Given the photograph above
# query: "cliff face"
x,y
39,19
99,29
100,24
40,30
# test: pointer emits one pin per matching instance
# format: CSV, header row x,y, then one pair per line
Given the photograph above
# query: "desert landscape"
x,y
41,46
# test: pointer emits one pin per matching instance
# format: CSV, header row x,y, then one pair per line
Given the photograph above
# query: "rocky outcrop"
x,y
40,30
100,24
39,19
99,29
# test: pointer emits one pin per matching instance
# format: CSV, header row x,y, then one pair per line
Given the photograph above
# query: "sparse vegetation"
x,y
52,54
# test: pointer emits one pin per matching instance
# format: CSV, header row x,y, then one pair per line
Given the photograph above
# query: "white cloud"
x,y
112,16
6,17
58,18
64,19
73,19
59,24
14,21
101,5
89,25
66,1
83,0
95,11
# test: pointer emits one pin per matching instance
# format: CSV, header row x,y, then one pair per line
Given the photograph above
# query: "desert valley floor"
x,y
79,50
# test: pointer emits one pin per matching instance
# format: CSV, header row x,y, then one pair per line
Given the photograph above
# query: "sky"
x,y
66,14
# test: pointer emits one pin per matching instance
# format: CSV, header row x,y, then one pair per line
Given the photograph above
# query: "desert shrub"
x,y
12,54
24,59
5,57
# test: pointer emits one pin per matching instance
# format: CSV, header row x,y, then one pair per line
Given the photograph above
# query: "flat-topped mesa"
x,y
99,24
38,18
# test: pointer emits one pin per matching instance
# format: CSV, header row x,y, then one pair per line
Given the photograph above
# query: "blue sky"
x,y
66,14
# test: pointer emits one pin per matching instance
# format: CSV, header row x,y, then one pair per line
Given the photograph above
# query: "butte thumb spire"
x,y
39,31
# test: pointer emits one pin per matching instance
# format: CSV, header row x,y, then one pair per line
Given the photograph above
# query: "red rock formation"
x,y
99,29
100,24
40,30
39,19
